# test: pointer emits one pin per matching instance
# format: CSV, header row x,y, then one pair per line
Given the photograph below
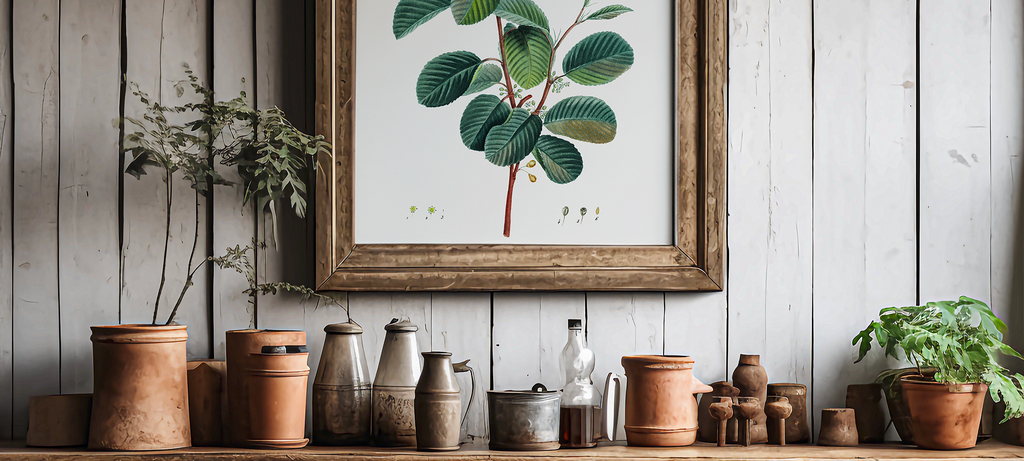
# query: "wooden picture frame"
x,y
694,263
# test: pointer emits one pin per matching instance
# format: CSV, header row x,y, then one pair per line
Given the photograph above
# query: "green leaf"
x,y
410,14
584,118
137,167
445,78
510,142
523,13
483,113
468,12
598,59
486,76
559,159
608,12
528,52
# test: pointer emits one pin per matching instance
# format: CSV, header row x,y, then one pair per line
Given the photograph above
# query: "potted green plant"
x,y
140,396
962,341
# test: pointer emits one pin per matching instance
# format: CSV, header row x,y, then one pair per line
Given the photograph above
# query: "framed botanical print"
x,y
503,145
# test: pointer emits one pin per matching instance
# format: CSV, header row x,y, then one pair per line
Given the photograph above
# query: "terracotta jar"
x,y
206,392
707,426
661,410
58,420
797,430
277,397
944,417
752,381
866,401
438,404
241,345
838,428
140,397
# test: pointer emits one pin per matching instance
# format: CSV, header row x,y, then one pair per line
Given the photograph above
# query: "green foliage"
x,y
523,13
486,76
608,12
468,12
584,118
410,14
598,59
483,113
960,339
510,142
528,50
446,78
561,162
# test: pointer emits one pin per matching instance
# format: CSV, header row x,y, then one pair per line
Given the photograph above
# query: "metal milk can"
x,y
341,391
394,387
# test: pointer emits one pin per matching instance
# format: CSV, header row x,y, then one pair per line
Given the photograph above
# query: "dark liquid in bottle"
x,y
576,427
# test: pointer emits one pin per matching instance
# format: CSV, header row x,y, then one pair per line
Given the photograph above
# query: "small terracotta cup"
x,y
838,428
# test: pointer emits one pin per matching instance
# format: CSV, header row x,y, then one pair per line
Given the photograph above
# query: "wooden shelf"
x,y
986,450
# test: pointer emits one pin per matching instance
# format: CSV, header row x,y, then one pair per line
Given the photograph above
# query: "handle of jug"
x,y
610,407
463,367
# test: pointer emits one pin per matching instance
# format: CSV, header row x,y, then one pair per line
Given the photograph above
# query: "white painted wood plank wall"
x,y
825,192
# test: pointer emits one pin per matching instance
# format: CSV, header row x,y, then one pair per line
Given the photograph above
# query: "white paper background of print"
x,y
411,155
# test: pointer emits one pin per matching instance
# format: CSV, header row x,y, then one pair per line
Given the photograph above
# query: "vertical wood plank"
x,y
36,186
461,324
6,231
529,331
864,181
90,59
374,310
956,205
281,82
620,324
233,223
696,324
1007,166
155,63
770,206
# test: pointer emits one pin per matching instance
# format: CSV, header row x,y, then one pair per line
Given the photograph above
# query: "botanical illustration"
x,y
508,127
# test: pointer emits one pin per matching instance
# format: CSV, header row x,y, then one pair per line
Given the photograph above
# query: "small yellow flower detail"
x,y
412,209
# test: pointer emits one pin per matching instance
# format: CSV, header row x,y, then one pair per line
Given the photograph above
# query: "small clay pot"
x,y
707,427
945,417
660,408
838,428
752,381
58,420
206,401
140,390
277,400
797,430
866,402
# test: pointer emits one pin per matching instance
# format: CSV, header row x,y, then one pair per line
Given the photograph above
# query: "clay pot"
x,y
838,428
58,420
206,395
241,344
752,381
661,410
945,417
140,397
438,405
797,430
866,402
707,427
277,399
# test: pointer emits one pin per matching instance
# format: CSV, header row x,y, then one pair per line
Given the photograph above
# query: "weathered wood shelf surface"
x,y
986,450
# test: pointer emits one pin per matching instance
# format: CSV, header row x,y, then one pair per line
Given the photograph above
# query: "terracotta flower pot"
x,y
241,345
944,417
277,400
661,410
140,397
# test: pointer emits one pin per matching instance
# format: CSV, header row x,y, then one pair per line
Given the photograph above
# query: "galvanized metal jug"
x,y
394,387
341,391
439,415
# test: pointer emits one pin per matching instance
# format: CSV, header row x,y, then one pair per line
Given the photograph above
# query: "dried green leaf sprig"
x,y
960,339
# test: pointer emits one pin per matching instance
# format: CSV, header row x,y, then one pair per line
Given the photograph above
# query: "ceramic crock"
x,y
661,410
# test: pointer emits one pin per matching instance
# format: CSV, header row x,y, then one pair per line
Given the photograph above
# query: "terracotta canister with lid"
x,y
241,345
752,381
342,389
661,410
277,397
394,387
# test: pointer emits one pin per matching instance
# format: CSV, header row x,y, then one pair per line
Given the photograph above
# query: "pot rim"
x,y
658,359
139,333
921,383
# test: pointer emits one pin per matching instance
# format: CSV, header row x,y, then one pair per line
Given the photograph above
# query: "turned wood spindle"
x,y
777,408
721,410
747,409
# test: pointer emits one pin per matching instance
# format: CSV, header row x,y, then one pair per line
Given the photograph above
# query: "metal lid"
x,y
401,326
349,328
575,324
291,349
